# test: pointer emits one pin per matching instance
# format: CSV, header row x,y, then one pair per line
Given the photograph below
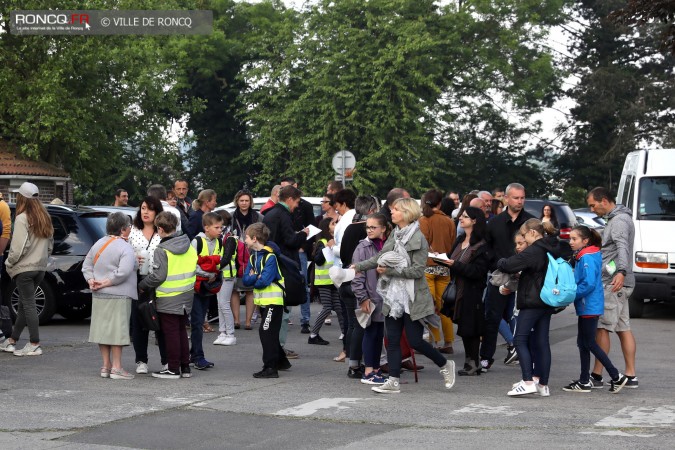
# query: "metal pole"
x,y
344,179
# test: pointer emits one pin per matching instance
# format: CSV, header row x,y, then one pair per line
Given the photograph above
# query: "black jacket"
x,y
533,263
278,219
354,233
469,310
500,232
303,216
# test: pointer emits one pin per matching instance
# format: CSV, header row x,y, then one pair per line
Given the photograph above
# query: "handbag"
x,y
449,298
148,313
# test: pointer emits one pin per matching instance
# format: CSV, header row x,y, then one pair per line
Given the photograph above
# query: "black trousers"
x,y
274,356
139,335
495,309
354,335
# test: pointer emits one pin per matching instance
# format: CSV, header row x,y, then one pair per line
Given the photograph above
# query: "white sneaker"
x,y
342,336
543,390
522,388
141,367
219,339
448,372
391,386
6,346
229,339
29,350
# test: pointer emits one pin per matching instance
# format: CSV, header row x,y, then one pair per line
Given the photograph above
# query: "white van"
x,y
647,187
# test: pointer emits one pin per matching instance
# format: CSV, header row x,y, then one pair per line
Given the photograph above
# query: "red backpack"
x,y
243,256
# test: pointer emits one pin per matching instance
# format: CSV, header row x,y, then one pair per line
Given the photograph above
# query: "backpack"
x,y
294,287
560,287
243,255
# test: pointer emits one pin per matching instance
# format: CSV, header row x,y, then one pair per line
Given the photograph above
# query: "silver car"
x,y
586,217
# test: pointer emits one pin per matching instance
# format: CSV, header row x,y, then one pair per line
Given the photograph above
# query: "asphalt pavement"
x,y
58,400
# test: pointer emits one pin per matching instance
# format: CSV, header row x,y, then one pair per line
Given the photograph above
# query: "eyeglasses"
x,y
372,228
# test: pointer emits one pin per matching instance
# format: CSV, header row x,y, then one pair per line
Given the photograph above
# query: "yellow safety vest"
x,y
233,262
272,294
180,274
321,276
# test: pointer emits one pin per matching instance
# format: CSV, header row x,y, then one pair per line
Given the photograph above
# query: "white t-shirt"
x,y
340,228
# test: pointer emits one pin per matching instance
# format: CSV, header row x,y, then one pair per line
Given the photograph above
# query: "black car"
x,y
563,213
64,289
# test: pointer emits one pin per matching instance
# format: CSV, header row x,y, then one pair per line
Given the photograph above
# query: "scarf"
x,y
397,292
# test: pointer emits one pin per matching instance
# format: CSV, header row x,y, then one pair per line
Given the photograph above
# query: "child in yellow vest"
x,y
262,272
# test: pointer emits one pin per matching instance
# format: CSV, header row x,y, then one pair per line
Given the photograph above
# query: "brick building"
x,y
52,181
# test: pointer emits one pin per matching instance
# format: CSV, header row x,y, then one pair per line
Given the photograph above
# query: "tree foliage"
x,y
642,12
625,97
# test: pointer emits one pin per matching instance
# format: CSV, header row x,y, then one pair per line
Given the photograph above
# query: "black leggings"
x,y
354,334
330,301
413,331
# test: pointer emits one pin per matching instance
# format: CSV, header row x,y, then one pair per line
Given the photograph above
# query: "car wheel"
x,y
45,302
636,307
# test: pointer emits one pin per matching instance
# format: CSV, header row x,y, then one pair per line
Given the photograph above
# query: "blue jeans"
x,y
200,306
372,344
538,320
304,308
587,345
507,327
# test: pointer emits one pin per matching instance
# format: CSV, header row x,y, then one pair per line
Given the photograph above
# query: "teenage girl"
x,y
328,293
589,305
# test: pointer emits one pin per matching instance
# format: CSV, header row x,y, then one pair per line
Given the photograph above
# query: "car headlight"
x,y
651,260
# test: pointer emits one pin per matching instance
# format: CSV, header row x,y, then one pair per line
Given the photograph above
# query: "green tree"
x,y
625,97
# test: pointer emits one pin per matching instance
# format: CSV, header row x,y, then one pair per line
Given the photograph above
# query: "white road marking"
x,y
307,409
55,393
640,416
617,433
477,408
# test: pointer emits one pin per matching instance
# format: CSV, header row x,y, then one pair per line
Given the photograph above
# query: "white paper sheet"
x,y
313,231
328,254
439,256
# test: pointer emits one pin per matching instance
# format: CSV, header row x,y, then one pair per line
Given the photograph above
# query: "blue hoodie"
x,y
262,276
590,299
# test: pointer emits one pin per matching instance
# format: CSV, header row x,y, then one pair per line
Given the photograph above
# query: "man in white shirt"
x,y
344,204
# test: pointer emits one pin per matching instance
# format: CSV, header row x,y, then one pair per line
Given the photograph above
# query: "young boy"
x,y
173,277
262,272
209,250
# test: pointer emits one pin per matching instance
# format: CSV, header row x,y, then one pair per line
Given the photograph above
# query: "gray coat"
x,y
364,285
418,251
179,304
617,244
117,262
27,253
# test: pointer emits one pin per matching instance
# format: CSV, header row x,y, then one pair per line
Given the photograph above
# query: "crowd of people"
x,y
399,276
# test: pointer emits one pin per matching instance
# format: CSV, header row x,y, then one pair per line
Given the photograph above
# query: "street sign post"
x,y
344,163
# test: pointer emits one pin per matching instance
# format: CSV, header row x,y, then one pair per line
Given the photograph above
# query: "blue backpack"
x,y
560,287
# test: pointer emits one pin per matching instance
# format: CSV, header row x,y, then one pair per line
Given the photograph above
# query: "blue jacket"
x,y
590,299
263,276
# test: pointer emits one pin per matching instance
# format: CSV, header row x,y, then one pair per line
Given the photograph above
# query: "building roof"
x,y
11,163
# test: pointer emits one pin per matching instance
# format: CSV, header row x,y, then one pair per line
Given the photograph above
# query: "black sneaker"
x,y
185,371
597,384
266,373
355,372
318,340
511,355
304,329
166,374
578,386
632,383
616,385
486,364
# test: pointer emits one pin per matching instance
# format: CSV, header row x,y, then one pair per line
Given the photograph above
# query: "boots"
x,y
471,368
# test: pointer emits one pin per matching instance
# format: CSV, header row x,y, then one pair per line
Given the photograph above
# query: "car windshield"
x,y
656,198
96,224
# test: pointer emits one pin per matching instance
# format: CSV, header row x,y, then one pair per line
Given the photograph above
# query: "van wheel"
x,y
636,307
45,302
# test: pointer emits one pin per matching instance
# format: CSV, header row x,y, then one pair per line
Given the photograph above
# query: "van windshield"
x,y
656,199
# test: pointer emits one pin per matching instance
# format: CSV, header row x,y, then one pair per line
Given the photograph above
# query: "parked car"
x,y
563,213
128,210
64,289
586,217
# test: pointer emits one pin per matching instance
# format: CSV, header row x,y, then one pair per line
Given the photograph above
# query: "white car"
x,y
590,219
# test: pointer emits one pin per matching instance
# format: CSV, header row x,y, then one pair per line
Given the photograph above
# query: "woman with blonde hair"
x,y
407,302
32,243
205,202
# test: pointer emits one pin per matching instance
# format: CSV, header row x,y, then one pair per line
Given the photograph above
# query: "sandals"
x,y
207,328
341,357
237,325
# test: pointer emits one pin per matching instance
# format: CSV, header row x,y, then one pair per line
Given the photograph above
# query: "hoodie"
x,y
532,263
617,244
590,299
179,304
263,275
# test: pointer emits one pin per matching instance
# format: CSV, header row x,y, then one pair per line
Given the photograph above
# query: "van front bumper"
x,y
657,286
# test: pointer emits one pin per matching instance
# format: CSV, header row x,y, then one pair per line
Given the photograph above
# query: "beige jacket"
x,y
26,252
